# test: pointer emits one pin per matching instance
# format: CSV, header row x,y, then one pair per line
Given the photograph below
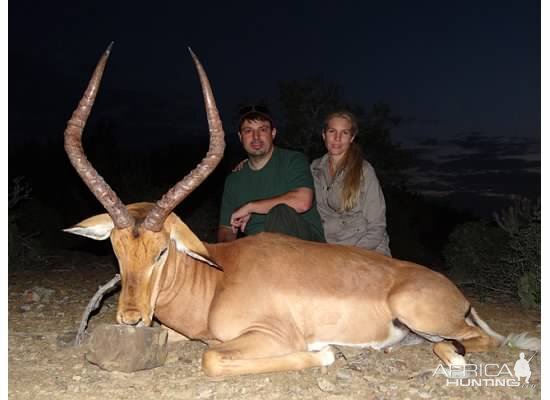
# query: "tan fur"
x,y
277,295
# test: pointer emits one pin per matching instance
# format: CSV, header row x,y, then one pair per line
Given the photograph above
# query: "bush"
x,y
21,249
472,254
523,263
504,258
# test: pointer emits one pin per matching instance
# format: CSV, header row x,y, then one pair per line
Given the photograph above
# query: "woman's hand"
x,y
240,165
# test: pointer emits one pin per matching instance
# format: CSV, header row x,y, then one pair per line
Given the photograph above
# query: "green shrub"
x,y
473,252
20,247
523,263
503,258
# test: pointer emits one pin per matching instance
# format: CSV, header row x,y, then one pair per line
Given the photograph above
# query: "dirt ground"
x,y
45,309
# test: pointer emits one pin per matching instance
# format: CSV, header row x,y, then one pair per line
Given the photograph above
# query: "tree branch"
x,y
92,305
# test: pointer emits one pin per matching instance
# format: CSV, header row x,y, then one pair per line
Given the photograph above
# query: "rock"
x,y
206,394
343,374
325,385
127,348
66,339
36,294
204,391
349,352
30,296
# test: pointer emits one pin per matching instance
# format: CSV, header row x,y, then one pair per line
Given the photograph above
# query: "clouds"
x,y
475,171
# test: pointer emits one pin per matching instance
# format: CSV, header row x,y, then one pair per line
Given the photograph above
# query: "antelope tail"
x,y
518,340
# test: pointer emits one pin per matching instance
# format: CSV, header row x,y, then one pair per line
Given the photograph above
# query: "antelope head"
x,y
143,235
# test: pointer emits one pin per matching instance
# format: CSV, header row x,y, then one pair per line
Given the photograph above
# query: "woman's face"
x,y
338,136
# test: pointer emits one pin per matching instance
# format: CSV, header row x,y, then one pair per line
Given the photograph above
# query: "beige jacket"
x,y
365,224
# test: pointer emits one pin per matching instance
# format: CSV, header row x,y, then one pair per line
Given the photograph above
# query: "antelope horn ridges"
x,y
183,188
73,146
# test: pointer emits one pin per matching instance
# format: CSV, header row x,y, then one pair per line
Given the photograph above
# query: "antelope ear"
x,y
187,242
98,227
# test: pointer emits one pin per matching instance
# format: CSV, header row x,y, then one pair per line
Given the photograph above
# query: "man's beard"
x,y
260,156
258,153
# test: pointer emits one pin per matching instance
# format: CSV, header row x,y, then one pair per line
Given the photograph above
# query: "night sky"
x,y
465,76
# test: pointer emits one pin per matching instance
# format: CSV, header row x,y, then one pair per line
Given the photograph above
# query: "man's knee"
x,y
283,219
286,220
281,210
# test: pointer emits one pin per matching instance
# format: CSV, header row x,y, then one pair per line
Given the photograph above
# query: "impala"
x,y
266,302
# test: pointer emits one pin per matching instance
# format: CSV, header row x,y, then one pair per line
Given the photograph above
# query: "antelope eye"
x,y
162,253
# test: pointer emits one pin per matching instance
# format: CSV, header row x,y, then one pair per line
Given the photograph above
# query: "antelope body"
x,y
267,302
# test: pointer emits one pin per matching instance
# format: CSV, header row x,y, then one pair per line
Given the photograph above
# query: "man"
x,y
273,191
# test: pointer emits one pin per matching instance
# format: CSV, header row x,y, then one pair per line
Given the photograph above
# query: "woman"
x,y
349,197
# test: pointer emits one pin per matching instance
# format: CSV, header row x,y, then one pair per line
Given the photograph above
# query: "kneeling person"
x,y
273,191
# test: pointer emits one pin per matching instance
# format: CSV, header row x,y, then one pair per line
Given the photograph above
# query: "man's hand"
x,y
240,217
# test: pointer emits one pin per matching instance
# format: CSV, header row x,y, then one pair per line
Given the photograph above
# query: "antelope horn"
x,y
183,188
73,146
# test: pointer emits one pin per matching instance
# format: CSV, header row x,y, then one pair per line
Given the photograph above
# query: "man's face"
x,y
257,137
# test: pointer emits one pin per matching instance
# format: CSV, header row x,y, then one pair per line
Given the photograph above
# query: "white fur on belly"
x,y
395,336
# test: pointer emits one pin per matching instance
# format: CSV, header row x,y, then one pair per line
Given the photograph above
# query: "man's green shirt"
x,y
285,171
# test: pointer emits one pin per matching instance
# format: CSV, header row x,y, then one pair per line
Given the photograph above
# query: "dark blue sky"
x,y
465,76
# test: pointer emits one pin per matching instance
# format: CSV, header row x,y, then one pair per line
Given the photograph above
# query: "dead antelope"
x,y
266,302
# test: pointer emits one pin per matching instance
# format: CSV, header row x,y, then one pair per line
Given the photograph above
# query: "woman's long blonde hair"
x,y
351,164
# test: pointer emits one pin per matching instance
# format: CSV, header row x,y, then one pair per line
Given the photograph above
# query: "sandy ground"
x,y
43,366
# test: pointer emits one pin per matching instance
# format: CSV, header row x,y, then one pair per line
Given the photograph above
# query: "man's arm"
x,y
300,199
226,234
